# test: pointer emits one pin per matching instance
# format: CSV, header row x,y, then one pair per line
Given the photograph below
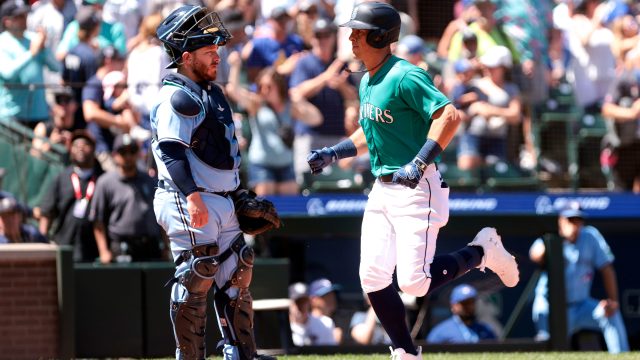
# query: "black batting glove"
x,y
319,159
410,174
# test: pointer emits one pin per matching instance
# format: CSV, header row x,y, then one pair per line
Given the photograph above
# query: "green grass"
x,y
482,356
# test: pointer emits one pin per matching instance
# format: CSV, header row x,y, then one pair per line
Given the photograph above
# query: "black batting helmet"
x,y
383,21
189,28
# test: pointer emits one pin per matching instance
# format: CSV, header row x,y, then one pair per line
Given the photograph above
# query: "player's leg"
x,y
377,262
232,298
589,314
417,218
540,310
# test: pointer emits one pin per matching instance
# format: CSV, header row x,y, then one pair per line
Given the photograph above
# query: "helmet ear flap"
x,y
377,38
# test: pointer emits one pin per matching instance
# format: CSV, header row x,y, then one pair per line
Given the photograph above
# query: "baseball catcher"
x,y
197,201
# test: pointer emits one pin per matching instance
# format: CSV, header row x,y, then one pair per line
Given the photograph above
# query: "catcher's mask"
x,y
189,28
381,19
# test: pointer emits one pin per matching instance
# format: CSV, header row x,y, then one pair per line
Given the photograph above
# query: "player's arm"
x,y
174,129
537,252
610,281
354,145
100,234
621,114
444,124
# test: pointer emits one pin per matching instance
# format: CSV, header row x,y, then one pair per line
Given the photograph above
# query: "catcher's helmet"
x,y
382,19
189,28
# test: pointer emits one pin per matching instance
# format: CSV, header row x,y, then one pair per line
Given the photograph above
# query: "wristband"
x,y
344,149
428,153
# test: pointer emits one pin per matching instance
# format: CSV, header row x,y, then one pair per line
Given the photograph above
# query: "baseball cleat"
x,y
400,354
496,257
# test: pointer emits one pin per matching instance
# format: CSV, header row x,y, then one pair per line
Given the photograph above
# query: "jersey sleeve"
x,y
602,254
173,126
418,92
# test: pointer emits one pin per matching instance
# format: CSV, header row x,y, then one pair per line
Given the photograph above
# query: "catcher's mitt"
x,y
255,215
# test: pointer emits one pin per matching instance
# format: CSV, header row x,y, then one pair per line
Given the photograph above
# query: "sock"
x,y
446,268
391,312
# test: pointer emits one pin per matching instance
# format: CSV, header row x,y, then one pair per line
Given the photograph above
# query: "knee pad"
x,y
189,300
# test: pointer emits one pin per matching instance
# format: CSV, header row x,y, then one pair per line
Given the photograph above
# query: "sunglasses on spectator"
x,y
63,99
129,150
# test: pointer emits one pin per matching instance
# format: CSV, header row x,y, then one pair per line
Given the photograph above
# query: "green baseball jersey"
x,y
396,106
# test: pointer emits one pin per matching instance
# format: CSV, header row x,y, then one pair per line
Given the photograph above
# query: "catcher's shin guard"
x,y
189,300
235,316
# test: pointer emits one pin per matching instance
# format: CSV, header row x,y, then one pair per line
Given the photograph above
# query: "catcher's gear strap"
x,y
241,278
189,314
236,321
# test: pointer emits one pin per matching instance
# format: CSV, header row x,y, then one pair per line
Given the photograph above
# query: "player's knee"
x,y
370,281
418,286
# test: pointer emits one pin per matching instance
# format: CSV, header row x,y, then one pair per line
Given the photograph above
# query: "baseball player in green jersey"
x,y
405,123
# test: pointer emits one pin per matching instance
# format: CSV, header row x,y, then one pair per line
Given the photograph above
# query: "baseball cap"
x,y
462,292
110,81
323,25
412,44
124,141
322,287
496,56
87,18
298,290
279,12
13,8
572,210
8,203
462,65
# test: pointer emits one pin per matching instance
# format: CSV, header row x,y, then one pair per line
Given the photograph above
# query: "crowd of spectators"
x,y
292,80
85,73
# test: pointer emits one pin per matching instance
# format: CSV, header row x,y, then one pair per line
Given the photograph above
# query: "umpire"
x,y
197,201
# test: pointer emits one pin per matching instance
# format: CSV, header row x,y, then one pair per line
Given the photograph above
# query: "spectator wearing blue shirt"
x,y
584,250
13,225
81,63
23,57
273,45
319,77
462,327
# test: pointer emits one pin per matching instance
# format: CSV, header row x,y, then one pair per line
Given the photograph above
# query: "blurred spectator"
x,y
53,16
65,206
462,326
305,17
129,13
145,68
271,117
592,67
23,57
412,49
584,250
366,328
272,44
465,93
466,15
111,32
306,328
122,209
324,304
82,61
102,123
622,143
625,38
233,20
58,130
13,225
484,139
320,77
